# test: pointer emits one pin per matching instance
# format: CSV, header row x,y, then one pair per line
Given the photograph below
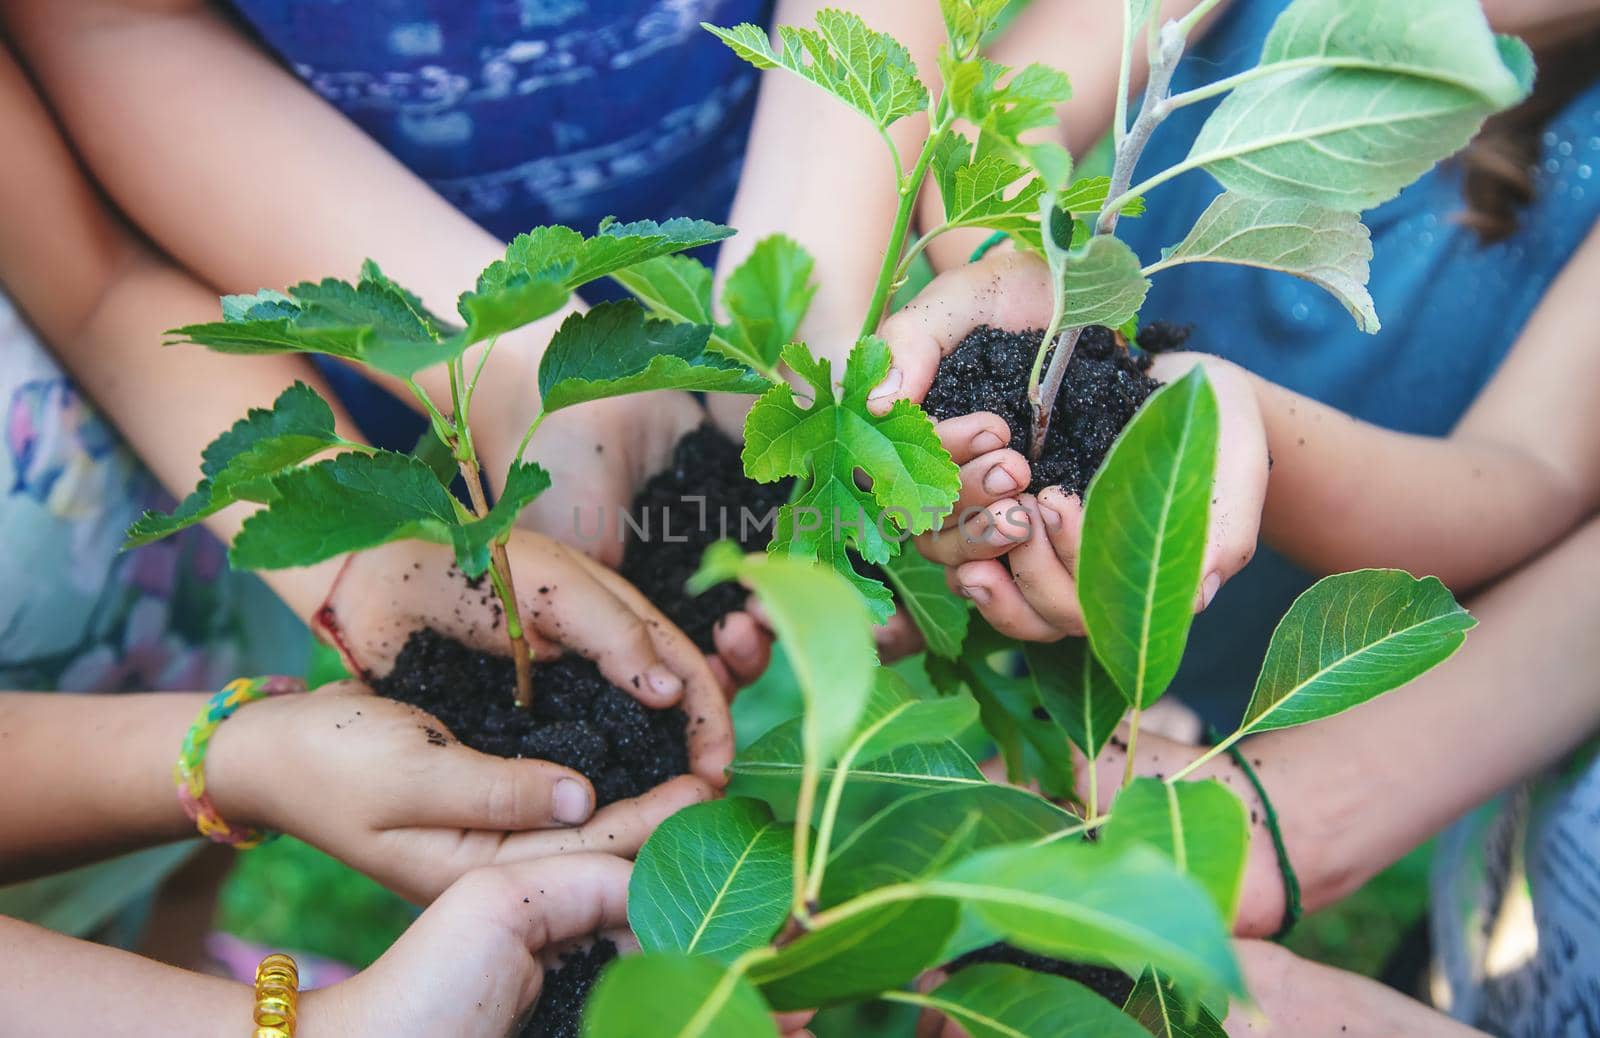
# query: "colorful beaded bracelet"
x,y
190,771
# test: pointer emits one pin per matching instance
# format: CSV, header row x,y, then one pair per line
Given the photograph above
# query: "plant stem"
x,y
1133,742
1094,785
909,187
805,805
527,437
1192,766
505,588
1152,112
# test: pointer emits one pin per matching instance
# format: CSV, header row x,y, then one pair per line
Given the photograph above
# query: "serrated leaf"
x,y
984,193
922,833
859,957
1200,827
542,268
673,288
357,501
715,879
1086,197
869,71
767,297
1370,97
238,465
1076,692
1162,1011
939,613
1352,637
1144,534
1329,248
612,350
824,631
913,482
967,22
1004,111
1102,284
1090,904
689,997
373,322
992,1000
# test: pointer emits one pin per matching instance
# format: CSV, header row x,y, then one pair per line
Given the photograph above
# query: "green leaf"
x,y
612,350
867,70
239,464
1200,827
940,614
1370,96
543,267
673,288
688,997
1158,1007
980,194
913,482
1091,904
991,1000
1144,533
1086,197
373,322
715,879
824,631
1326,247
1350,638
1004,112
860,957
770,770
924,832
1076,692
967,22
357,501
894,717
767,297
1102,283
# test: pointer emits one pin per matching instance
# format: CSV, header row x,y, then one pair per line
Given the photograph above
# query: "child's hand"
x,y
568,601
474,962
1036,597
383,787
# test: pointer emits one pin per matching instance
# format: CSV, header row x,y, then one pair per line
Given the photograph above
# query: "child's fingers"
x,y
979,533
1008,290
1043,579
1062,515
970,436
897,638
455,787
743,646
990,587
619,828
989,479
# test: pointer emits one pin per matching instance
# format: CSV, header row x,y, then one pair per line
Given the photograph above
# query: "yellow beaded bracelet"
x,y
277,996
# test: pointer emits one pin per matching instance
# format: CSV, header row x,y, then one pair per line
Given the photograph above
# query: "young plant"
x,y
362,497
1350,102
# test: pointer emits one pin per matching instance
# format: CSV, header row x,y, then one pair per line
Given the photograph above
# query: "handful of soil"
x,y
579,719
702,497
1105,384
559,1011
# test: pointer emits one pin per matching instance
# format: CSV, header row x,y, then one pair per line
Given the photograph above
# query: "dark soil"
x,y
1105,384
676,526
559,1010
578,720
1113,985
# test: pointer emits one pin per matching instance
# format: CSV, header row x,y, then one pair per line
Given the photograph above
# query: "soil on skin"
x,y
1113,985
1105,385
579,719
705,479
559,1010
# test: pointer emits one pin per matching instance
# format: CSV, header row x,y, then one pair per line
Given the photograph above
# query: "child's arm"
x,y
1518,471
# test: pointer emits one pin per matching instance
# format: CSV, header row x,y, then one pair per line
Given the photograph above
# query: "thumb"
x,y
461,788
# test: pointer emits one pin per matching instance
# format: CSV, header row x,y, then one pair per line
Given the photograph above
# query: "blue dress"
x,y
1451,309
528,112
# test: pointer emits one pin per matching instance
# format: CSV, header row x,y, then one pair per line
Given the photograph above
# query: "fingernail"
x,y
570,802
999,481
986,441
1052,518
976,593
1208,590
889,386
663,682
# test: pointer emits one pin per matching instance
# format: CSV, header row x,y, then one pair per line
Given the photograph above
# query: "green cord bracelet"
x,y
988,243
1292,909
